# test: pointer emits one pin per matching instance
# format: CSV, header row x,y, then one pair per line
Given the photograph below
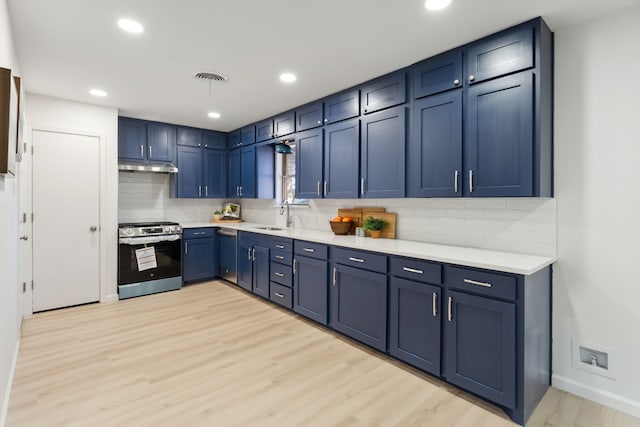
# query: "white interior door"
x,y
66,226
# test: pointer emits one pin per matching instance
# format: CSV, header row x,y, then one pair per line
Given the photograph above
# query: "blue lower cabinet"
x,y
414,323
359,305
310,288
480,336
199,256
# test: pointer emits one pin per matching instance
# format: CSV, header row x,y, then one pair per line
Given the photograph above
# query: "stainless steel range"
x,y
149,258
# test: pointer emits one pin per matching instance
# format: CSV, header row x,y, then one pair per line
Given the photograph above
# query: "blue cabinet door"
x,y
384,92
261,278
499,138
359,305
248,135
214,173
161,142
481,346
414,323
284,124
506,52
199,261
234,175
212,139
264,130
245,262
234,139
435,149
132,139
309,164
341,160
310,116
248,172
438,74
189,177
310,294
342,106
189,136
382,156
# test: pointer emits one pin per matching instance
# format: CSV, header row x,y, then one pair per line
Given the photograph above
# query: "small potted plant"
x,y
373,226
217,215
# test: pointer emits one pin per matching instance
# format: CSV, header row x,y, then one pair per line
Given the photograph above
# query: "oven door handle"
x,y
146,240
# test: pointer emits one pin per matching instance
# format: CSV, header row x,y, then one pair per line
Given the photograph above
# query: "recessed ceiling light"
x,y
288,77
131,26
98,92
214,115
436,4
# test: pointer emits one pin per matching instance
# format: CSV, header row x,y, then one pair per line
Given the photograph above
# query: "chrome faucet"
x,y
289,219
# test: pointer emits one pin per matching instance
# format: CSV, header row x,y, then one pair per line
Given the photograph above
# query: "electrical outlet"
x,y
593,358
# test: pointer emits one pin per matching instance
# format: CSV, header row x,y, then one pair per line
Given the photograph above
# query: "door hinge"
x,y
24,287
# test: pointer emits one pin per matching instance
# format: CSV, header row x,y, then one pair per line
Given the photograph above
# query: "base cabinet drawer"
x,y
281,295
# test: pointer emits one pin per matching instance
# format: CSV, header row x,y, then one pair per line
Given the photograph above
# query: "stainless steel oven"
x,y
149,258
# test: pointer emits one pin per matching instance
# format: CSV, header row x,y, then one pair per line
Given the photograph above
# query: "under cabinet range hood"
x,y
147,167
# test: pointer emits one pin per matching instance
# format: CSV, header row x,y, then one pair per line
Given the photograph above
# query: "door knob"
x,y
93,228
25,237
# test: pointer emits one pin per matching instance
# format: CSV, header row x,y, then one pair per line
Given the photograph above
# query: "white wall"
x,y
9,297
596,281
69,116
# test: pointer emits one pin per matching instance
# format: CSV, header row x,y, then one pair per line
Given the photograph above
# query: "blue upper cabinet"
x,y
382,156
132,139
248,135
384,92
161,142
234,139
342,106
435,149
438,74
341,160
264,131
309,164
214,173
189,136
309,116
499,144
284,124
212,139
503,53
189,177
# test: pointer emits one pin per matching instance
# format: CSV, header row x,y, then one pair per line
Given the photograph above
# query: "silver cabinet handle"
x,y
455,181
434,300
253,254
150,152
206,191
470,181
450,316
325,188
199,190
356,259
249,254
362,186
279,274
279,257
475,282
471,78
25,237
186,248
308,250
279,295
318,185
335,279
294,266
280,246
142,151
456,82
413,270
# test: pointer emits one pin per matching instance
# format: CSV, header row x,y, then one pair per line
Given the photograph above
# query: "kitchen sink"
x,y
269,228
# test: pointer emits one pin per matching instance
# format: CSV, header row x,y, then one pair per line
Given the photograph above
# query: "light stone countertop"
x,y
471,257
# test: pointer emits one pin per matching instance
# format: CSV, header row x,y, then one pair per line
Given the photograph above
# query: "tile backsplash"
x,y
524,225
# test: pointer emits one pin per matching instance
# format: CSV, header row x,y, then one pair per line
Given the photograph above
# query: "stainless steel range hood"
x,y
148,167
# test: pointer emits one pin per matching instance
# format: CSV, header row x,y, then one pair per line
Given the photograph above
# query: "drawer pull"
x,y
308,250
280,246
279,274
356,259
474,282
413,270
279,257
434,300
279,295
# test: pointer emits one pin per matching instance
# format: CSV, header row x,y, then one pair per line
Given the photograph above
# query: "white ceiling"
x,y
66,47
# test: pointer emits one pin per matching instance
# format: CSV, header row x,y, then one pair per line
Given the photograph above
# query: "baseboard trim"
x,y
7,396
597,395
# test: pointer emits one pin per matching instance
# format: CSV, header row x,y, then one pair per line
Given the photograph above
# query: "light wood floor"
x,y
213,355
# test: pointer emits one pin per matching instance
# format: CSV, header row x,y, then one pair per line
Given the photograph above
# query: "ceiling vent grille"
x,y
212,77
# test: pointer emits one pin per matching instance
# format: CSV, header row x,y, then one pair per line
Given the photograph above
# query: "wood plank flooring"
x,y
213,355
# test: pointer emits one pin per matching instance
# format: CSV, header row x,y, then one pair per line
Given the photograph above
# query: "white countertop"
x,y
471,257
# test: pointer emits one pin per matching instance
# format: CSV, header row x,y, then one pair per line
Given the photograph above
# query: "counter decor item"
x,y
374,226
341,225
